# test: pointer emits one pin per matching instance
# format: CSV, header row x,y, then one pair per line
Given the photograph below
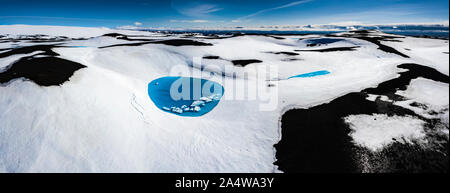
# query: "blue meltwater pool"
x,y
185,96
311,74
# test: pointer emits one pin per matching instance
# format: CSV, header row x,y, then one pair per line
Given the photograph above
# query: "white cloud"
x,y
194,8
275,8
201,10
137,23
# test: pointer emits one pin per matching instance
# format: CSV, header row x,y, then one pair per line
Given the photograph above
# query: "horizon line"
x,y
341,24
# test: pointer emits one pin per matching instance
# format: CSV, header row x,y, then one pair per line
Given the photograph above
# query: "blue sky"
x,y
216,13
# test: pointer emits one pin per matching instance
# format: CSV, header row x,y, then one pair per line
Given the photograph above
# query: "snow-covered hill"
x,y
76,99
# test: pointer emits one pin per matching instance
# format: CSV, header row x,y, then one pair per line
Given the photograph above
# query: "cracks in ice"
x,y
138,108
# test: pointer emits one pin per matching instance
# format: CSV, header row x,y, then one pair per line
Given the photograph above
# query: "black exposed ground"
x,y
173,42
364,35
240,63
44,71
389,88
127,37
244,63
238,34
181,42
30,49
376,40
331,49
211,57
317,139
114,35
285,53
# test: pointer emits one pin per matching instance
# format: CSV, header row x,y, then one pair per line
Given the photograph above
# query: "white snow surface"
x,y
103,120
429,92
424,51
5,62
376,131
434,95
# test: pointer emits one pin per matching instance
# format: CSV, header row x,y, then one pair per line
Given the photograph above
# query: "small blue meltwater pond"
x,y
185,96
311,74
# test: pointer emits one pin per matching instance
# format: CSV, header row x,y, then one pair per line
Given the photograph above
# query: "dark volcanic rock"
x,y
331,49
376,40
172,42
406,158
322,41
244,63
277,37
182,42
285,53
114,35
211,57
291,59
45,71
317,139
361,31
47,49
389,88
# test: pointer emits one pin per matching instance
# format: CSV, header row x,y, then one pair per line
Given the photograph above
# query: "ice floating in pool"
x,y
312,74
183,96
